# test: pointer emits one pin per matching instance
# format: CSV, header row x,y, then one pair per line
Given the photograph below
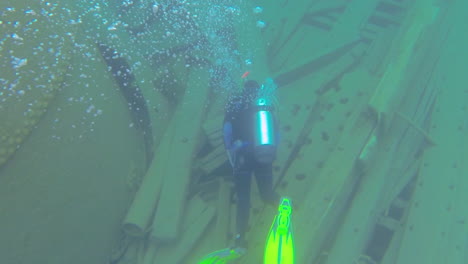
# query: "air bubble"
x,y
261,24
258,10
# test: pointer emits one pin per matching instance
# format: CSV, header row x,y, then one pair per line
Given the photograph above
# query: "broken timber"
x,y
188,117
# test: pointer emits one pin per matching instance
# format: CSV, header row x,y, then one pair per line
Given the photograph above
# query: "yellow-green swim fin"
x,y
222,256
279,247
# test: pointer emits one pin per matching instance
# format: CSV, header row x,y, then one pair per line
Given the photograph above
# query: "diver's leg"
x,y
264,178
242,178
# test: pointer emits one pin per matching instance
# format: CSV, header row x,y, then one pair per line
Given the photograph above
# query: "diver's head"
x,y
251,89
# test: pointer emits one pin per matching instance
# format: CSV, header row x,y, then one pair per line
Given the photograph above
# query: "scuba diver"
x,y
250,138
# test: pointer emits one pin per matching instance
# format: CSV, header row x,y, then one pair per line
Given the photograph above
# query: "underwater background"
x,y
111,113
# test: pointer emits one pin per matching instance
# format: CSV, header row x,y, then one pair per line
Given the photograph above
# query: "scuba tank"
x,y
265,138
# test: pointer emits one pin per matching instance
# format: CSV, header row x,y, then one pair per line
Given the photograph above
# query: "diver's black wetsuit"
x,y
238,126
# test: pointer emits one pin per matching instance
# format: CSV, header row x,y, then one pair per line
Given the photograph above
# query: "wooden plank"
x,y
300,112
212,127
377,55
419,102
369,32
363,213
397,149
188,117
197,218
396,153
328,196
323,126
403,168
349,24
390,223
400,203
389,91
138,218
436,222
281,26
433,223
295,47
223,214
317,62
390,255
213,160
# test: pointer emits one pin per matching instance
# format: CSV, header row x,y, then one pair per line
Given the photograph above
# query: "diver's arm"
x,y
227,134
228,144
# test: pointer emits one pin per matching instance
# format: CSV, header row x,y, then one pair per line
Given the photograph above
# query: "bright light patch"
x,y
264,128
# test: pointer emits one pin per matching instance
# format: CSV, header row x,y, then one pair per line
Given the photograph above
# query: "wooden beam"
x,y
197,218
188,119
